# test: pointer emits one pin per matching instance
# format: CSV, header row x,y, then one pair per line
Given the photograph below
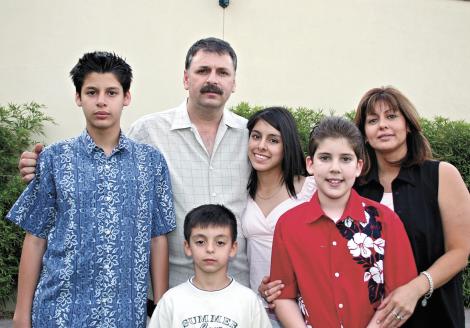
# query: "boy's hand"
x,y
27,163
270,290
21,321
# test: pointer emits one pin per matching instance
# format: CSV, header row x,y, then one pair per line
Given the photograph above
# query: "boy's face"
x,y
335,168
102,100
210,249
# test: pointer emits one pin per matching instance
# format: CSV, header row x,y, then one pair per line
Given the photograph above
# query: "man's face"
x,y
210,79
102,100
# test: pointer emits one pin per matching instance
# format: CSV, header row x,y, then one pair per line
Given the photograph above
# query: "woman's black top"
x,y
415,200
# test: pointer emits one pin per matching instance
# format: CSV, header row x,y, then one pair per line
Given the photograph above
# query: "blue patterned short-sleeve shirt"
x,y
98,214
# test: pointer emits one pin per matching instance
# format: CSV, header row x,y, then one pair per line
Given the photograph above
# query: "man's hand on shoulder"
x,y
27,163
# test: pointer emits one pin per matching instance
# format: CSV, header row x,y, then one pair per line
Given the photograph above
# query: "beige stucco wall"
x,y
319,54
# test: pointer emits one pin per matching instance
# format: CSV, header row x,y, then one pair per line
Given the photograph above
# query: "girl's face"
x,y
386,130
265,147
335,167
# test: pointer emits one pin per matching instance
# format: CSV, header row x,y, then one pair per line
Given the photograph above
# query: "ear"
x,y
233,250
78,99
187,249
234,88
127,98
186,80
360,164
309,164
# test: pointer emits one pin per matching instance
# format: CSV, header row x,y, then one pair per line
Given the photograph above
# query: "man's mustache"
x,y
212,88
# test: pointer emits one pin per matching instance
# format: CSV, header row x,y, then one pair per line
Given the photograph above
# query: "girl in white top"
x,y
277,183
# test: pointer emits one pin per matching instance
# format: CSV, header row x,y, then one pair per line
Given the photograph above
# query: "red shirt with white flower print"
x,y
342,271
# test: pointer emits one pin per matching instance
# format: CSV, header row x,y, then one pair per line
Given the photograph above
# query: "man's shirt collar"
x,y
181,119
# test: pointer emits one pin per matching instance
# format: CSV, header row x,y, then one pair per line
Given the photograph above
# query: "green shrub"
x,y
19,124
450,142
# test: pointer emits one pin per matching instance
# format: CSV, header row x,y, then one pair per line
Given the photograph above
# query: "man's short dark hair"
x,y
101,62
213,45
210,215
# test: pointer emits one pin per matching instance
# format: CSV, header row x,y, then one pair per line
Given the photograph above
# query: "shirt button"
x,y
340,305
214,194
336,274
107,267
106,167
333,243
108,199
211,167
107,231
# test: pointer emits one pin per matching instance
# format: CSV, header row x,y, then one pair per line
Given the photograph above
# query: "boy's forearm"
x,y
29,270
289,313
159,266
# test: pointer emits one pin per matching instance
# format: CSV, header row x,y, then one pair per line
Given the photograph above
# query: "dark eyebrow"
x,y
222,236
269,135
199,235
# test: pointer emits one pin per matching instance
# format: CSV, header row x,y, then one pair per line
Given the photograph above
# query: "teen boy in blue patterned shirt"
x,y
96,215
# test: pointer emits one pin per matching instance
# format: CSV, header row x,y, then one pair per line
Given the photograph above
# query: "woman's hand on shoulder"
x,y
270,290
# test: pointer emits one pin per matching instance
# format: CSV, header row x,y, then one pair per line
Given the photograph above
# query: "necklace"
x,y
274,193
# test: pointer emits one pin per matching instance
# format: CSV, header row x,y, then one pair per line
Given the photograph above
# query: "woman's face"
x,y
265,147
386,130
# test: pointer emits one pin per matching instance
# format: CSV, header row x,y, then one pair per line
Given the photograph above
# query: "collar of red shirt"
x,y
354,209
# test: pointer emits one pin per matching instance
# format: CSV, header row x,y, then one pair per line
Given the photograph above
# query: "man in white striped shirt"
x,y
205,147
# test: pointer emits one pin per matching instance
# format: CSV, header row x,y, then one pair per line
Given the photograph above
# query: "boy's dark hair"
x,y
210,215
212,45
418,146
293,161
101,62
336,127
